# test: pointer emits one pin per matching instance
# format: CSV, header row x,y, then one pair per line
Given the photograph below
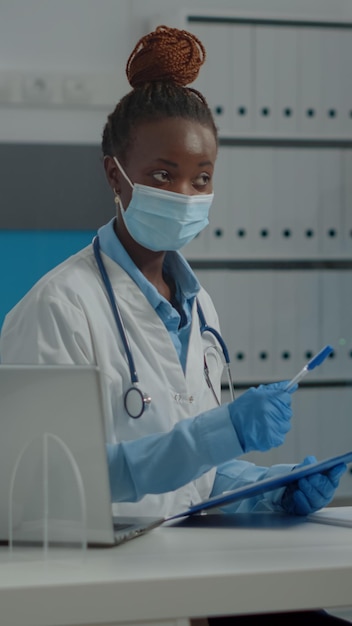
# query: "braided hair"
x,y
159,69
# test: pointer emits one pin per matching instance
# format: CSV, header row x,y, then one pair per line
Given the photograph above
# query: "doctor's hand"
x,y
261,416
313,492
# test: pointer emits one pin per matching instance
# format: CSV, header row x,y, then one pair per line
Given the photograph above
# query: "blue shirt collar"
x,y
187,284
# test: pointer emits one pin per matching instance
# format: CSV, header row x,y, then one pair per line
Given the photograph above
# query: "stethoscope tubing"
x,y
115,310
204,328
143,400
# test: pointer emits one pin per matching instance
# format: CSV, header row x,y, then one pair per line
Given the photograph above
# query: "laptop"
x,y
54,481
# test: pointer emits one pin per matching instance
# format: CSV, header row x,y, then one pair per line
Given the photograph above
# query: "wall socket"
x,y
6,89
76,90
37,89
61,90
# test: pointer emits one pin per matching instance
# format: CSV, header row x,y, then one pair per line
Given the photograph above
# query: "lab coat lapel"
x,y
143,323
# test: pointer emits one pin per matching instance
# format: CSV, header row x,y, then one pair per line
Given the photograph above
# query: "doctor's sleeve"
x,y
239,473
163,462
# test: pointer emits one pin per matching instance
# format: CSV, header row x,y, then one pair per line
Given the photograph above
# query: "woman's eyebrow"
x,y
172,164
166,162
204,163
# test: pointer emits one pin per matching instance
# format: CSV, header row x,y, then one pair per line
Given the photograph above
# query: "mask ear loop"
x,y
123,172
117,198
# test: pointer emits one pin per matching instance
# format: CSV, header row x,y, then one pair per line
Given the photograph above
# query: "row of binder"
x,y
274,202
320,426
275,321
279,79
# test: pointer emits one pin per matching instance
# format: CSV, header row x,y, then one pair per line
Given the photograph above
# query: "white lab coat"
x,y
66,318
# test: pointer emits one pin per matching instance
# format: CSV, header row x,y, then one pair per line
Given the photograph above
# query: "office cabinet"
x,y
280,203
277,254
272,76
274,321
318,427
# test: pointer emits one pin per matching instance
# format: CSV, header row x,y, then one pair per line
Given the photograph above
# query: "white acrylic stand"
x,y
47,504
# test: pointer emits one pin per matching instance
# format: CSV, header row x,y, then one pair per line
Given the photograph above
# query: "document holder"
x,y
46,497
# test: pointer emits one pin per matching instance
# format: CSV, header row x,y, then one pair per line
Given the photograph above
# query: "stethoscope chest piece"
x,y
136,402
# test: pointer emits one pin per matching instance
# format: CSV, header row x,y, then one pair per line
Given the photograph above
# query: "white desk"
x,y
180,572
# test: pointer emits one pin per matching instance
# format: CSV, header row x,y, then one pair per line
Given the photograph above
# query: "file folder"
x,y
309,82
330,202
265,113
331,78
240,70
286,80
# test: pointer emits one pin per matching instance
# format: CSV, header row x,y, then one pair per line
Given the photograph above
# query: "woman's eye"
x,y
202,180
162,176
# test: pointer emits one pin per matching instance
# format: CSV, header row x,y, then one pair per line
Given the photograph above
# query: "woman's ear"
x,y
112,173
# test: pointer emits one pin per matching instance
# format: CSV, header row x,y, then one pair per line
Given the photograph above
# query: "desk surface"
x,y
248,564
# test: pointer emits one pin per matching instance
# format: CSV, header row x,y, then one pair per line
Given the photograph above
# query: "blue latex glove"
x,y
313,492
261,416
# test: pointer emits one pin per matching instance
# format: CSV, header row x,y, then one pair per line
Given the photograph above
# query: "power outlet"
x,y
6,89
76,91
37,89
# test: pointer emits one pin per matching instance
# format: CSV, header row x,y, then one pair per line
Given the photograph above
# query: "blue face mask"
x,y
164,220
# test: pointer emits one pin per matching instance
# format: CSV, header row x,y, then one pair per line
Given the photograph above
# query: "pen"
x,y
314,362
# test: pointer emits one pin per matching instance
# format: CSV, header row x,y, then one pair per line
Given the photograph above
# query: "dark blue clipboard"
x,y
265,485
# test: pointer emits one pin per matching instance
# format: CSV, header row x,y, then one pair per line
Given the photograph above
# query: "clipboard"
x,y
265,485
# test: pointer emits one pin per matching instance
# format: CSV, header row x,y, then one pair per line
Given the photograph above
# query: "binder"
x,y
331,79
261,309
221,236
240,72
204,78
308,315
285,322
219,92
305,421
262,204
333,405
241,186
265,79
346,83
347,202
331,326
287,227
330,202
344,340
239,314
285,45
309,80
307,203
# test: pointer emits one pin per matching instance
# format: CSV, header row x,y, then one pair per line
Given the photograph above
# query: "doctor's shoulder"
x,y
65,283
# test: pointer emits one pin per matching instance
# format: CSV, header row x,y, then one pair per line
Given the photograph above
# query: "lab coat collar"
x,y
175,265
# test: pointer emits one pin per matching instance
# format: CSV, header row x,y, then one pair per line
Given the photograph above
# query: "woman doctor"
x,y
129,303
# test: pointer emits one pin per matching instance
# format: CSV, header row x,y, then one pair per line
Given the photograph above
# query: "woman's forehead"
x,y
172,138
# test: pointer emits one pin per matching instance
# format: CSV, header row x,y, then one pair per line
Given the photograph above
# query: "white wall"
x,y
96,36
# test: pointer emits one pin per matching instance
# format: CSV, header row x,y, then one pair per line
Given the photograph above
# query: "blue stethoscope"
x,y
135,400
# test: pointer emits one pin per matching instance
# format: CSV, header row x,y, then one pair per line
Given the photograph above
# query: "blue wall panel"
x,y
26,255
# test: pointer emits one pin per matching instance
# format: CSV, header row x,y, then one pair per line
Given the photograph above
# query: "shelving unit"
x,y
277,255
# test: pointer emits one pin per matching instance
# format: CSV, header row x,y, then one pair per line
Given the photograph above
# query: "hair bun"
x,y
166,54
